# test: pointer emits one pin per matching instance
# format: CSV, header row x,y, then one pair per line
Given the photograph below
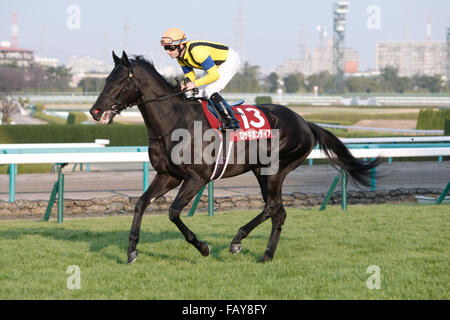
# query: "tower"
x,y
340,9
14,31
428,27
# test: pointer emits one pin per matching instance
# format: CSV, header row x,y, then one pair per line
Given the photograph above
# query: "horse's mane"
x,y
150,68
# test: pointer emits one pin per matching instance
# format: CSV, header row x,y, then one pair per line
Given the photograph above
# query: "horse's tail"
x,y
339,155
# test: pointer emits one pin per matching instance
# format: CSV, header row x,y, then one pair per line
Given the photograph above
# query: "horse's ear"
x,y
116,59
125,60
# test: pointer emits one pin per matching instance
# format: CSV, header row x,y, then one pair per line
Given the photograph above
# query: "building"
x,y
295,66
12,55
320,60
87,67
48,62
427,58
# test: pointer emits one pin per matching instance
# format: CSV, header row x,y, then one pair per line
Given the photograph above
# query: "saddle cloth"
x,y
253,122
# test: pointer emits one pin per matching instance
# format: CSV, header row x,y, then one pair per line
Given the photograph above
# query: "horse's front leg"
x,y
188,190
160,185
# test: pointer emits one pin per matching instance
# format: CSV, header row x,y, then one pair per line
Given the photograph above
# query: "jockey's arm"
x,y
188,71
212,72
206,64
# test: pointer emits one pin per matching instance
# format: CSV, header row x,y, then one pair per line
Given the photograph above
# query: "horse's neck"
x,y
159,117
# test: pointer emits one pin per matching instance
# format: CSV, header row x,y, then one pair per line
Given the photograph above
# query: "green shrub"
x,y
39,107
76,117
430,119
263,100
447,127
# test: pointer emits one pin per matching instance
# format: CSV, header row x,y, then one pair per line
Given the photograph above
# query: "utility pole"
x,y
126,28
239,35
448,54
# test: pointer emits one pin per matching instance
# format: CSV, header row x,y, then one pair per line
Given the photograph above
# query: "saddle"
x,y
253,121
254,125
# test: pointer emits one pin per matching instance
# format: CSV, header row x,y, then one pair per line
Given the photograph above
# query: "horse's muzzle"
x,y
96,113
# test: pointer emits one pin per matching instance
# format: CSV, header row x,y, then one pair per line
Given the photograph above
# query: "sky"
x,y
271,30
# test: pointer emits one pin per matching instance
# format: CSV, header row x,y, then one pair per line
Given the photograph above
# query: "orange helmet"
x,y
173,36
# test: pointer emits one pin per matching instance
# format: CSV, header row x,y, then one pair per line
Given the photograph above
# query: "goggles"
x,y
170,48
167,41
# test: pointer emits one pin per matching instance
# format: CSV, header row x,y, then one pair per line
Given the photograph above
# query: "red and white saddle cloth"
x,y
253,122
254,126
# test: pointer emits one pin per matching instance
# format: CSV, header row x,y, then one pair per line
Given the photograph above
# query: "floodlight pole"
x,y
340,9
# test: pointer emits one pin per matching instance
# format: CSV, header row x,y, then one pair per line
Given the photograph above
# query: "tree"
x,y
363,84
272,80
432,84
392,82
291,83
246,80
35,77
91,84
8,105
324,80
10,80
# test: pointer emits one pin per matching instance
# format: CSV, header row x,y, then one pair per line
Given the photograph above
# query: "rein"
x,y
120,106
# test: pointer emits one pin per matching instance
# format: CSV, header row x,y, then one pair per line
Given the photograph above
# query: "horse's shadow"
x,y
100,240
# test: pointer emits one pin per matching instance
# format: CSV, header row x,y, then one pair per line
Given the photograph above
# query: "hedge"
x,y
76,117
447,127
118,134
432,119
263,100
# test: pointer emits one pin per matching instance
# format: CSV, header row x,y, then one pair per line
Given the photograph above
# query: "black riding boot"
x,y
225,113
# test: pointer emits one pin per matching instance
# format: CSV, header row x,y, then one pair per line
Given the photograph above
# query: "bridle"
x,y
119,106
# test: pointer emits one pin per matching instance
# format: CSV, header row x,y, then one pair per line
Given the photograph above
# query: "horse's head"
x,y
120,91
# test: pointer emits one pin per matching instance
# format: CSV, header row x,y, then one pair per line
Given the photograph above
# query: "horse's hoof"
x,y
205,249
235,247
132,256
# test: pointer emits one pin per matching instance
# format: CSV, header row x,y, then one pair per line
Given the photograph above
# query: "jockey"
x,y
220,62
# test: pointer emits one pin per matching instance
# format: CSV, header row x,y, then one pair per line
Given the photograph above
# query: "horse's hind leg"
x,y
159,186
271,189
277,223
243,232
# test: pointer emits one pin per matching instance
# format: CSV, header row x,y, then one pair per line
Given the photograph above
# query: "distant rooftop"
x,y
14,49
6,46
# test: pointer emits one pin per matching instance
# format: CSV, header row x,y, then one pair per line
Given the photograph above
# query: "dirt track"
x,y
306,179
394,124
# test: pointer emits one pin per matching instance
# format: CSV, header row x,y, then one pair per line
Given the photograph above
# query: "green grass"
x,y
321,255
27,168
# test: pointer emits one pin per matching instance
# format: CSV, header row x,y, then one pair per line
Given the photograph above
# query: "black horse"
x,y
164,109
